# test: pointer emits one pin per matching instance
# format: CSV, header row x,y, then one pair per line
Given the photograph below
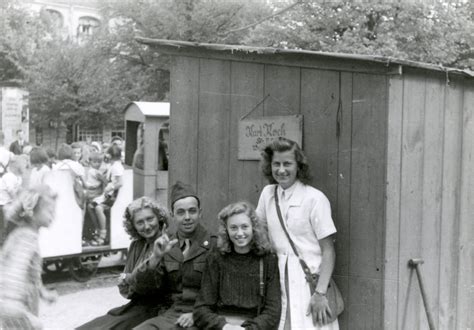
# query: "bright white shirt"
x,y
37,175
307,213
9,186
5,156
69,164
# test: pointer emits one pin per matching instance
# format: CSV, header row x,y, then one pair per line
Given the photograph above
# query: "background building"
x,y
76,20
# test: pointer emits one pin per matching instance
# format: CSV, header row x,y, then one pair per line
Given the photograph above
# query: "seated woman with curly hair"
x,y
144,221
240,285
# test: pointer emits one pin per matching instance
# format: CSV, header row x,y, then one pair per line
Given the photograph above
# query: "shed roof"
x,y
140,110
185,46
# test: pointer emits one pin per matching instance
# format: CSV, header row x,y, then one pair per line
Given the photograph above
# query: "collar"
x,y
288,191
293,195
200,243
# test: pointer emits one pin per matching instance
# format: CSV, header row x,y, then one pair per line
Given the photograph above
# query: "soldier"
x,y
177,262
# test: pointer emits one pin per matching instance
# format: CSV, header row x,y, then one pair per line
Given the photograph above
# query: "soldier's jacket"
x,y
179,276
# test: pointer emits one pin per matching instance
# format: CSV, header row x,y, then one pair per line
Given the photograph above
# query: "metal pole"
x,y
414,264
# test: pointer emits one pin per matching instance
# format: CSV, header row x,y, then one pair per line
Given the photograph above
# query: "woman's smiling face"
x,y
146,223
240,230
284,168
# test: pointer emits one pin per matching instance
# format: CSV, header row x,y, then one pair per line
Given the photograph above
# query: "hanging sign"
x,y
256,133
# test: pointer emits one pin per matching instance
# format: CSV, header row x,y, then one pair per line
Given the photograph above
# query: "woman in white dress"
x,y
306,213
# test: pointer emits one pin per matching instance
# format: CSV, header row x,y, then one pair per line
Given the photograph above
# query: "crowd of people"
x,y
96,170
253,274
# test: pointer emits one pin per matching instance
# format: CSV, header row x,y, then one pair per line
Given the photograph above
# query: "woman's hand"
x,y
319,309
185,320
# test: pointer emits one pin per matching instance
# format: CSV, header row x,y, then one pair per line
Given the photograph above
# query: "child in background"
x,y
39,166
114,182
20,284
95,182
10,184
76,151
52,157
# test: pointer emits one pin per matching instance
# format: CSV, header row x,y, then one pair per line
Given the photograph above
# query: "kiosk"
x,y
146,150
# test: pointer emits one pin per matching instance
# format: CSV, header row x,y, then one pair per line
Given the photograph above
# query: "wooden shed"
x,y
390,143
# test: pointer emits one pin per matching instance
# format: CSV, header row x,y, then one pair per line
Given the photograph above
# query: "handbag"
x,y
333,294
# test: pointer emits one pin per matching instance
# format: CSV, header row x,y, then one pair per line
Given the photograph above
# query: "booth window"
x,y
163,152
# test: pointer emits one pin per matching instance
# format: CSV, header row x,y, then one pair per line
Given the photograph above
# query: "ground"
x,y
74,309
80,302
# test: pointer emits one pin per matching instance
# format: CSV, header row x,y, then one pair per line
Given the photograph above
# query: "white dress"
x,y
307,213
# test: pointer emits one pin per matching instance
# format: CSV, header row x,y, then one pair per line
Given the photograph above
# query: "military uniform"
x,y
181,276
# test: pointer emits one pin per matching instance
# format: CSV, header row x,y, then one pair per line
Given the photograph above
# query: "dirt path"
x,y
74,309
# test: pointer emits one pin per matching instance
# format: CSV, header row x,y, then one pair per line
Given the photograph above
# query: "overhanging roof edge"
x,y
269,50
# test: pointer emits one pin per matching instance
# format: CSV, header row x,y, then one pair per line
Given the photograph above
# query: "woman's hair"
x,y
281,145
260,242
65,152
23,208
141,203
115,152
38,156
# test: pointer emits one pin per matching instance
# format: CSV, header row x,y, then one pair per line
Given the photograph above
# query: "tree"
x,y
439,33
190,20
22,33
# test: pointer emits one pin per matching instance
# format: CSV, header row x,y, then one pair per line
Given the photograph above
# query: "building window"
x,y
89,135
87,26
56,18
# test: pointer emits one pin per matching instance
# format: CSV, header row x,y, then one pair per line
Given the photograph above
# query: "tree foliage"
x,y
90,82
22,33
441,33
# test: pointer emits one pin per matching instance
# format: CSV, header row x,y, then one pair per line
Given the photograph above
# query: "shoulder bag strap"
x,y
261,287
302,262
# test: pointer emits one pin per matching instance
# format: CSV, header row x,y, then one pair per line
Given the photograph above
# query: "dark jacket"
x,y
179,276
16,148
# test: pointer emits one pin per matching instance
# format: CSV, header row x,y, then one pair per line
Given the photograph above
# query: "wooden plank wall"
x,y
344,139
429,185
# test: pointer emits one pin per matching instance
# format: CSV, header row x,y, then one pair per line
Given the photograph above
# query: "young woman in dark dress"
x,y
240,285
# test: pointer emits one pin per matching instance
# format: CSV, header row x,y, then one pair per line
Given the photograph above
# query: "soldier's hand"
x,y
185,320
163,244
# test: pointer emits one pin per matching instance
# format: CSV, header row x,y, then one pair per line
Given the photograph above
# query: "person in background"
x,y
17,146
240,285
10,185
144,220
66,161
177,262
94,185
114,179
95,146
118,141
76,151
20,284
306,213
105,147
52,157
39,166
5,155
